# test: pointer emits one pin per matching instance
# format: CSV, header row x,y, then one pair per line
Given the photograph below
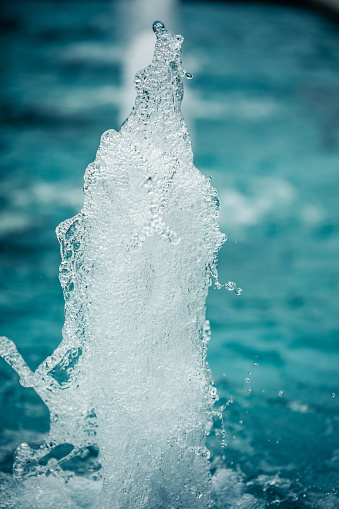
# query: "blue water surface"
x,y
263,112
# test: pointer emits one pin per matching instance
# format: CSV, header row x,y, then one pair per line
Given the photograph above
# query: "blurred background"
x,y
263,114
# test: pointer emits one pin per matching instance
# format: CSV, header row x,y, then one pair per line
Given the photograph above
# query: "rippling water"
x,y
263,112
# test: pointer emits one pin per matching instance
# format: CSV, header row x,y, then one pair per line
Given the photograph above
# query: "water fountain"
x,y
128,389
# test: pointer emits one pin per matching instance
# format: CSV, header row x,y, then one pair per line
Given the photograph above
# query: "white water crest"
x,y
128,388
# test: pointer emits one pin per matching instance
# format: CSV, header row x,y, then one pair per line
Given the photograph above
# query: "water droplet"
x,y
230,286
157,26
247,380
238,291
281,393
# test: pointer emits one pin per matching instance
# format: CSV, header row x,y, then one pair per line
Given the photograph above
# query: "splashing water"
x,y
128,388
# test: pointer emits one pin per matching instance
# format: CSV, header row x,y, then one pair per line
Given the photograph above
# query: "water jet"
x,y
128,389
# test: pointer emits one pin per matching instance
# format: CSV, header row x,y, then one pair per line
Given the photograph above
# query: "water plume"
x,y
128,389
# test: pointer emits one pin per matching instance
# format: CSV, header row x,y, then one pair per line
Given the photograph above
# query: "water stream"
x,y
129,383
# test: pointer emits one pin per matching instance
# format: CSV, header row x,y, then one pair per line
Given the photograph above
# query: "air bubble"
x,y
238,291
188,75
248,380
230,286
203,452
174,238
281,393
147,184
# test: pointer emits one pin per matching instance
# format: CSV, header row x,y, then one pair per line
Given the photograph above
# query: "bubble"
x,y
173,65
238,291
203,452
255,365
230,286
84,454
174,238
333,394
281,393
188,75
213,392
52,463
248,380
146,184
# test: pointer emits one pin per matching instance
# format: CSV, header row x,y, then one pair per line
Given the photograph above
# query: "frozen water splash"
x,y
128,388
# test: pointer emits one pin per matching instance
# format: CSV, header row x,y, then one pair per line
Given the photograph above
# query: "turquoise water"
x,y
262,110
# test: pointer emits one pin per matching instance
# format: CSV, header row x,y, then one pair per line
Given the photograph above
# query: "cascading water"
x,y
128,388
